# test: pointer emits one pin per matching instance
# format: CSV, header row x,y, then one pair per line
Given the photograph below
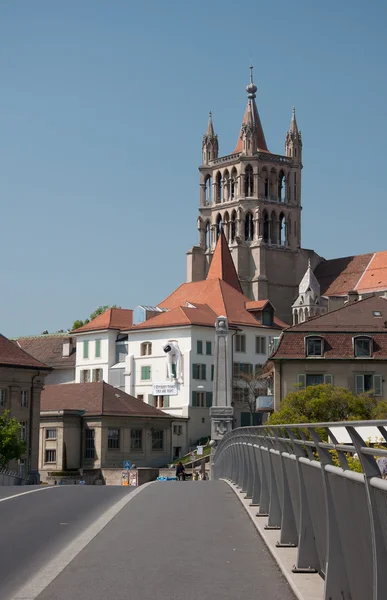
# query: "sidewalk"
x,y
175,541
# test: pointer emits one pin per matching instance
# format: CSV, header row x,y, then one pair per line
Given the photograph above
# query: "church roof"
x,y
260,136
112,318
362,273
309,282
222,265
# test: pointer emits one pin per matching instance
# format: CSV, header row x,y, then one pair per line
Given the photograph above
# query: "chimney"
x,y
352,297
67,347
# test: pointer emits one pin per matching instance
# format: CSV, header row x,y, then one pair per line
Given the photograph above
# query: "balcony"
x,y
265,403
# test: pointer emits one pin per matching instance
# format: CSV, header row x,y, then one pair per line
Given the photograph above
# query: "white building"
x,y
128,349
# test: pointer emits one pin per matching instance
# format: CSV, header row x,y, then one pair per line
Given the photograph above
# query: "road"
x,y
166,540
35,526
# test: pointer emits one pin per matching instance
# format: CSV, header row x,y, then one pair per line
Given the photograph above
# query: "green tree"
x,y
324,403
11,446
98,311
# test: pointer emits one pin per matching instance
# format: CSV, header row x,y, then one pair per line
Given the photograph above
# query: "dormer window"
x,y
314,346
362,346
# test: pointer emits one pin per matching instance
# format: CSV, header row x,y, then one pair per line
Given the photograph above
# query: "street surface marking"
x,y
43,578
24,493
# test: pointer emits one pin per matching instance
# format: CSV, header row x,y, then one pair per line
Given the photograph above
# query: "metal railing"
x,y
8,477
336,517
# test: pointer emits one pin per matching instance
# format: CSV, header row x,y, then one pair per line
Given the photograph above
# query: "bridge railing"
x,y
336,517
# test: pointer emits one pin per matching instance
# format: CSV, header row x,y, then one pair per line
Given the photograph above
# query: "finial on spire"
x,y
251,88
293,122
210,127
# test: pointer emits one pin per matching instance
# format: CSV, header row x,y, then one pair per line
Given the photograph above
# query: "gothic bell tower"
x,y
254,195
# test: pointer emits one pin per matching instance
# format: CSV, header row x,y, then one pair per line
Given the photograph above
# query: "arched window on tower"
x,y
208,190
226,186
219,188
208,235
264,185
249,181
265,233
281,187
234,183
226,226
249,227
282,230
233,226
219,225
273,228
295,317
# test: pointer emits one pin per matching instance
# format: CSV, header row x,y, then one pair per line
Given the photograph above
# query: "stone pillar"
x,y
221,412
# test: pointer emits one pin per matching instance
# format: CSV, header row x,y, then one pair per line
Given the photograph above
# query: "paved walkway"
x,y
175,541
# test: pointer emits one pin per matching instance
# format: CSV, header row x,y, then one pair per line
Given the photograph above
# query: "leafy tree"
x,y
11,446
98,311
325,403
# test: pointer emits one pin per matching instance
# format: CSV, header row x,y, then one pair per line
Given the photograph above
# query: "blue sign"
x,y
127,464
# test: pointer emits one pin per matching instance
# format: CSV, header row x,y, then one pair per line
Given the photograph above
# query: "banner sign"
x,y
164,389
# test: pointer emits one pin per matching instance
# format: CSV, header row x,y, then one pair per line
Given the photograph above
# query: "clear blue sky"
x,y
102,109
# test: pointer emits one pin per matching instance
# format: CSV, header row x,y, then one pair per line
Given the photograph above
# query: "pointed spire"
x,y
309,282
222,265
293,123
210,128
251,118
210,147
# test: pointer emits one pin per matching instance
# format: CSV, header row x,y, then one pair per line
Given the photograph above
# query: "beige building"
x,y
346,347
94,426
21,383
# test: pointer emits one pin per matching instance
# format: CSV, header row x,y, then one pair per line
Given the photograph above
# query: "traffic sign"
x,y
127,464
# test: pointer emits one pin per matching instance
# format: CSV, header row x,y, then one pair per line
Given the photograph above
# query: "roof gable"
x,y
14,356
222,265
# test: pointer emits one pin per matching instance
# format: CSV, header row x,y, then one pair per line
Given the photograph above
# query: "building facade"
x,y
54,350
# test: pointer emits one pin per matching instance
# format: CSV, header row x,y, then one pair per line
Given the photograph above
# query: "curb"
x,y
305,586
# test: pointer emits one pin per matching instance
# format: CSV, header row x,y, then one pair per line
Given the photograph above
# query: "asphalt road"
x,y
174,541
35,526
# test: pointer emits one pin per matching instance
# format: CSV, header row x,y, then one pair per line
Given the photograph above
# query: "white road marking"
x,y
35,586
24,493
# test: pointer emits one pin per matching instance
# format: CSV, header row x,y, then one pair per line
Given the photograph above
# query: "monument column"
x,y
221,412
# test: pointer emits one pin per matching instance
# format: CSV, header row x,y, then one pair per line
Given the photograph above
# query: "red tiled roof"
x,y
338,328
96,399
222,265
112,318
201,314
259,130
340,275
375,275
256,304
13,356
48,349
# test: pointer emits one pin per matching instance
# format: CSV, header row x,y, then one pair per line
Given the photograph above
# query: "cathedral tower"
x,y
255,197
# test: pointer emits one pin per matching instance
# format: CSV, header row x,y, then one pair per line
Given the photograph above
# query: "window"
x,y
212,372
177,429
2,397
362,346
136,439
369,383
157,440
161,401
50,456
242,369
97,375
314,346
51,434
377,313
306,379
97,348
240,343
260,345
113,439
198,399
267,317
146,348
208,348
23,430
199,371
90,444
145,373
85,376
199,347
85,349
140,397
24,399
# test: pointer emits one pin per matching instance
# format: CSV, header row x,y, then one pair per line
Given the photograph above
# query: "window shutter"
x,y
166,401
204,371
377,385
151,400
85,349
208,399
97,348
208,348
199,347
359,383
194,398
301,380
194,371
212,372
328,379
